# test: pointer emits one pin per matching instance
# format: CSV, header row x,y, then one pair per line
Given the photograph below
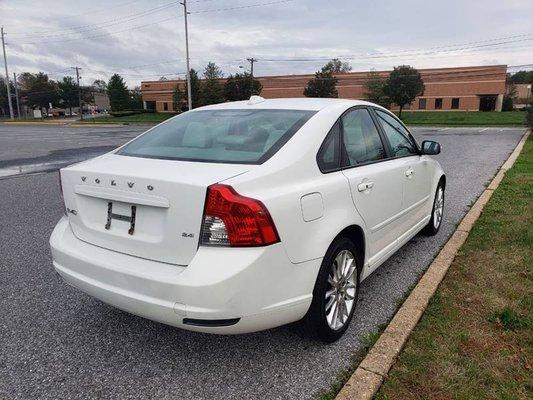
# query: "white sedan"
x,y
249,215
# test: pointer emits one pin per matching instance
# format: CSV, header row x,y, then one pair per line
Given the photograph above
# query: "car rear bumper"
x,y
223,290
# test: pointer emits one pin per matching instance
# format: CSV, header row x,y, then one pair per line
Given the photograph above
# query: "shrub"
x,y
507,104
529,115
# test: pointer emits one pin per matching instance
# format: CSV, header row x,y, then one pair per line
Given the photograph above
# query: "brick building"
x,y
462,88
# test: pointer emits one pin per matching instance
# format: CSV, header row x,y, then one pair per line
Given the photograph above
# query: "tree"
x,y
136,98
337,66
195,89
324,84
522,77
4,105
179,98
510,94
37,90
211,90
99,85
374,89
403,85
241,86
529,115
119,98
68,93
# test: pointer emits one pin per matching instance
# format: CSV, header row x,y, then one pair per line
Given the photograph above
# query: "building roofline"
x,y
347,74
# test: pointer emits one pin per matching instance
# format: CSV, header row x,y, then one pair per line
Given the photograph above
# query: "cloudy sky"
x,y
143,40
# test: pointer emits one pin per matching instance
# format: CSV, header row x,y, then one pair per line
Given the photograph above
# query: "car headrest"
x,y
196,135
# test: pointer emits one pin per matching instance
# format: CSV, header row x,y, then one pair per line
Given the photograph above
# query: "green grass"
x,y
475,339
146,118
464,118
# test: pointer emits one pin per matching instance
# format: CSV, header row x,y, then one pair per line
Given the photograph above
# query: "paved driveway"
x,y
56,342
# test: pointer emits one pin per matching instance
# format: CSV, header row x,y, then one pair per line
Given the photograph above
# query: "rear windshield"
x,y
226,136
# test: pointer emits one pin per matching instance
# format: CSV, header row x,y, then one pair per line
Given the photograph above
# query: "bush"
x,y
529,115
126,113
507,104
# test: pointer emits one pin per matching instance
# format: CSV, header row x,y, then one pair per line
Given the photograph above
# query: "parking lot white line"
x,y
484,129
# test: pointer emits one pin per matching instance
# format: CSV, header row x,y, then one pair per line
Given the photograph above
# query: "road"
x,y
33,148
56,342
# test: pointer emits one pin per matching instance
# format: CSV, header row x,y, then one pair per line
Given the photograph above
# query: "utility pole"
x,y
79,91
252,61
7,75
189,99
16,93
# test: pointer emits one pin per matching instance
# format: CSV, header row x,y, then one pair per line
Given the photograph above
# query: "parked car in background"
x,y
245,216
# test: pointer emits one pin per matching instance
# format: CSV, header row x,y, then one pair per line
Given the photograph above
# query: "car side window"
x,y
361,138
399,138
329,157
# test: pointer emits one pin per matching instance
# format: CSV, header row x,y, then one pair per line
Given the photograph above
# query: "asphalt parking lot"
x,y
56,342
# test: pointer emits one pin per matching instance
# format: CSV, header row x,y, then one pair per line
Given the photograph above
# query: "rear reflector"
x,y
234,220
211,322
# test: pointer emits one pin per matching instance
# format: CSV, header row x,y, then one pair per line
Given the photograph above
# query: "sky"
x,y
144,40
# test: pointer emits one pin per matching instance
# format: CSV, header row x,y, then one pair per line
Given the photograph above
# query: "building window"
x,y
455,103
438,104
421,104
165,106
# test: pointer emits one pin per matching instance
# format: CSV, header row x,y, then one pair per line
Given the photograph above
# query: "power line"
x,y
136,16
102,34
97,11
91,27
242,7
398,54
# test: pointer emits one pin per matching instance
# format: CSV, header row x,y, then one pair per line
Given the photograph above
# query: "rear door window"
x,y
226,136
361,138
329,155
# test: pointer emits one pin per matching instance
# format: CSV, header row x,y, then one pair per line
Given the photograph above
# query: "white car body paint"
x,y
162,273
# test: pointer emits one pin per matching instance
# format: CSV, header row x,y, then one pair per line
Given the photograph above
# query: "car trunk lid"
x,y
144,207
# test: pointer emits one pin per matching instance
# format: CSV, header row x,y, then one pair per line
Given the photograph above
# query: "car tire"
x,y
437,212
335,289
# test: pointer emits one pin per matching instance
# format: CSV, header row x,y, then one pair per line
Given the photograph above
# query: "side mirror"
x,y
430,147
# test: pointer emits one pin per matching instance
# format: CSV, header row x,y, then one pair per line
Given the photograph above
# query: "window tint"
x,y
232,136
361,138
421,104
455,103
438,104
328,157
399,138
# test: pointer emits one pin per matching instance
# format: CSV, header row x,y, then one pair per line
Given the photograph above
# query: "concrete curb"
x,y
37,122
371,372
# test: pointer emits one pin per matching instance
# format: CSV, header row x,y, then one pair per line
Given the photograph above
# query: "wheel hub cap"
x,y
340,295
439,208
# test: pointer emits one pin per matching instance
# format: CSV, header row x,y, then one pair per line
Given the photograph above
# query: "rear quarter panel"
x,y
281,182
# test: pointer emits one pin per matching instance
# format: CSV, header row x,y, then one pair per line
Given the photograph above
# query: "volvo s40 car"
x,y
244,216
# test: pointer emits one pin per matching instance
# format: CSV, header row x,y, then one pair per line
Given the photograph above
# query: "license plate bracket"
x,y
120,217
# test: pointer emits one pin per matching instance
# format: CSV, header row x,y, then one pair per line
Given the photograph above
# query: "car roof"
x,y
298,103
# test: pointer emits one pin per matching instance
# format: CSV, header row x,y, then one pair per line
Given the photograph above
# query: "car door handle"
x,y
365,186
409,172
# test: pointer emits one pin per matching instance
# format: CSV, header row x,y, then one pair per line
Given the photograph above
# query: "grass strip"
x,y
464,118
475,339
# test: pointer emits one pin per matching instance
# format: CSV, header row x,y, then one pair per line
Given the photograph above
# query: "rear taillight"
x,y
234,220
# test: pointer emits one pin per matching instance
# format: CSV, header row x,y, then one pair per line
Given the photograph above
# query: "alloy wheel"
x,y
438,209
340,295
